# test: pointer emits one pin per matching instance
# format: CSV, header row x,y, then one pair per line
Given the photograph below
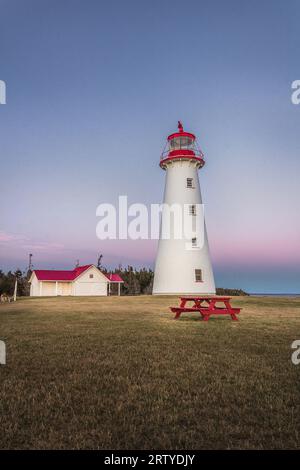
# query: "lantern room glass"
x,y
181,143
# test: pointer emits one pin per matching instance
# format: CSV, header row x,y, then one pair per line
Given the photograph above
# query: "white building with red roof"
x,y
83,280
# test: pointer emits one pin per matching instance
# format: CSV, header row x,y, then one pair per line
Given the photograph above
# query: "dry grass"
x,y
119,373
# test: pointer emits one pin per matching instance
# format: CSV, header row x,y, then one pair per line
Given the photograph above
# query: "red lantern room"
x,y
181,146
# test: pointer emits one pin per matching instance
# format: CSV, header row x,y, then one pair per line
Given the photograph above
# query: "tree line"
x,y
136,282
7,282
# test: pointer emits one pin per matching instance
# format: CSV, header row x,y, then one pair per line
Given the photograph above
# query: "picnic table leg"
x,y
231,313
182,305
206,315
197,304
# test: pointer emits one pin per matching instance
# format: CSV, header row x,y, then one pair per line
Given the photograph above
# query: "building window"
x,y
91,276
194,242
189,183
198,275
192,209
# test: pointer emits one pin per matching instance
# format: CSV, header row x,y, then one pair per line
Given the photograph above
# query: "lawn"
x,y
120,373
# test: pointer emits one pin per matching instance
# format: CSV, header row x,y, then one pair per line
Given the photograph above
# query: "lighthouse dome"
x,y
181,145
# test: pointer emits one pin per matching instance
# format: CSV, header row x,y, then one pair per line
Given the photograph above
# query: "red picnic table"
x,y
206,306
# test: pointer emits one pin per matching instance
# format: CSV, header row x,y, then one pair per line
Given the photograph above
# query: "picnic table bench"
x,y
206,306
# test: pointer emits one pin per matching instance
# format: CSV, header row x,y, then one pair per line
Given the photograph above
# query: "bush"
x,y
225,291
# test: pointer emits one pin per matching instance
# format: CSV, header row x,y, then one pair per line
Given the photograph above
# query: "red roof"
x,y
182,134
114,277
54,275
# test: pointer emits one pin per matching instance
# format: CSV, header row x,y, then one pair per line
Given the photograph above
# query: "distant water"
x,y
275,295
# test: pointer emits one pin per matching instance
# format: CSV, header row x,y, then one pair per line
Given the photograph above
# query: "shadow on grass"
x,y
200,319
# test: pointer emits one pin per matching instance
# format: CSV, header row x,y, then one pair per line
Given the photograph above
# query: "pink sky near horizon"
x,y
225,251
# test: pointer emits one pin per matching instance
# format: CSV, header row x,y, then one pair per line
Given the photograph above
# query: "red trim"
x,y
181,152
181,156
181,134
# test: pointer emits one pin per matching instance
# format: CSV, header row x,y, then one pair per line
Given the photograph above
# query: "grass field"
x,y
119,373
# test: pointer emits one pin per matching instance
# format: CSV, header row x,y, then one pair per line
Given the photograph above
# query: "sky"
x,y
93,90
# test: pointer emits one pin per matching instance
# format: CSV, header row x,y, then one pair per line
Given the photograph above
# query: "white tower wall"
x,y
175,264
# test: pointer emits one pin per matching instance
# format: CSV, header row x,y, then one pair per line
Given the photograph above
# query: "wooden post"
x,y
119,288
15,290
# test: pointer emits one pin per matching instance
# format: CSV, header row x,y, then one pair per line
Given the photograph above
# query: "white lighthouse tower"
x,y
183,265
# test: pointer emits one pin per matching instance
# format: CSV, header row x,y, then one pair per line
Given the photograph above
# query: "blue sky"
x,y
93,90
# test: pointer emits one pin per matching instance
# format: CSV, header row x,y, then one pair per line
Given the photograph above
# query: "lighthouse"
x,y
183,263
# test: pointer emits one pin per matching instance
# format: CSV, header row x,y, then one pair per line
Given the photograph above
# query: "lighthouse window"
x,y
186,142
181,143
194,242
192,209
189,182
198,275
175,143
